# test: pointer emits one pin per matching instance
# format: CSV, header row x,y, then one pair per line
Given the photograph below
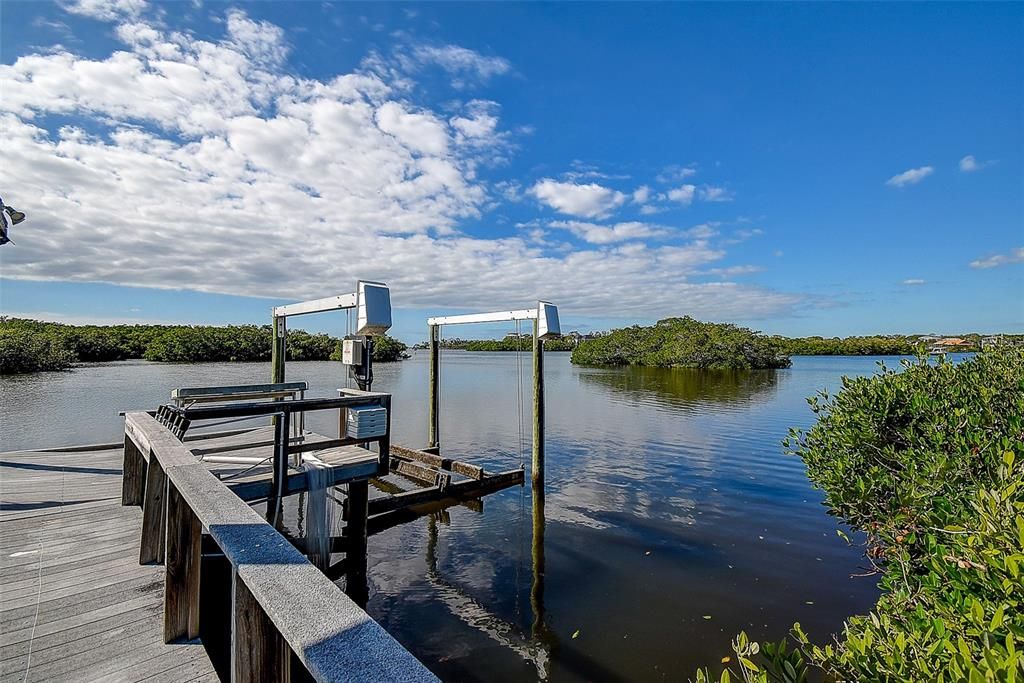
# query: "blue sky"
x,y
798,168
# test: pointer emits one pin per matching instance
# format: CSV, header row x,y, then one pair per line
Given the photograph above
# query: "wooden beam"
x,y
420,473
462,489
434,417
133,480
154,515
182,561
463,468
257,651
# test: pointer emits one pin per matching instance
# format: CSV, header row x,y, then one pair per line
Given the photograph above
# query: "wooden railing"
x,y
287,619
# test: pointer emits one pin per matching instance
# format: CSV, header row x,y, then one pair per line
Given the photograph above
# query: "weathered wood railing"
x,y
283,609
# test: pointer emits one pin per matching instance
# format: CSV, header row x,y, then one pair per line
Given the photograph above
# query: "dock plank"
x,y
75,605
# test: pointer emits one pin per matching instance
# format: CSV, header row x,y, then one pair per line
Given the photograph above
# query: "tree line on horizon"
x,y
34,346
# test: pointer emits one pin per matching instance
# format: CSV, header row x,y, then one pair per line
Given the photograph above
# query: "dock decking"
x,y
75,604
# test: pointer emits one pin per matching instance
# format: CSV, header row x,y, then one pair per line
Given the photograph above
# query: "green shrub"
x,y
928,462
23,351
683,342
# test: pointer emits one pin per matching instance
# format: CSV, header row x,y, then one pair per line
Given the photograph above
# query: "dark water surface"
x,y
672,519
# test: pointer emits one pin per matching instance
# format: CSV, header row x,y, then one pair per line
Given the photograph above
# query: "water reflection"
x,y
667,500
685,387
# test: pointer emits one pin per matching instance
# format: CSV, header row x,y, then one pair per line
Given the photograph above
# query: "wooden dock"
x,y
75,604
145,561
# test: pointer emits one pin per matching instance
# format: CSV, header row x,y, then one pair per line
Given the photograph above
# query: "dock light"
x,y
16,216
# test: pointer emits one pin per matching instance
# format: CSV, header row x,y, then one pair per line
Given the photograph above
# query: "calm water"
x,y
668,501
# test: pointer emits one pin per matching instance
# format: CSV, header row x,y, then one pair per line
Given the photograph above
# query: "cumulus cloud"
x,y
465,66
969,164
711,193
1014,256
910,177
703,231
733,271
676,173
588,200
683,194
914,281
209,165
642,194
608,234
105,10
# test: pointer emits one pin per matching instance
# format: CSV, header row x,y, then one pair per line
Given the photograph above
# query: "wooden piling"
x,y
434,434
538,627
537,469
356,541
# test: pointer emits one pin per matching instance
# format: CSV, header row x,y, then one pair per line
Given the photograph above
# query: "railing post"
x,y
133,478
154,513
279,482
182,562
258,653
434,429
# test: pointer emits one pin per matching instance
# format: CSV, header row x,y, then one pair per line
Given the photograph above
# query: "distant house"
x,y
578,336
949,345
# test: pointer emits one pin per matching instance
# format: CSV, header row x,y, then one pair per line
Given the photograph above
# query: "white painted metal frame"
x,y
372,301
331,303
495,317
545,312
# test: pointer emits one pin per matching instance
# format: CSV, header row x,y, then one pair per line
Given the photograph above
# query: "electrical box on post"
x,y
352,351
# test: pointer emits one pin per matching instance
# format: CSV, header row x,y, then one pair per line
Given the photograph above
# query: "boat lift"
x,y
545,326
372,301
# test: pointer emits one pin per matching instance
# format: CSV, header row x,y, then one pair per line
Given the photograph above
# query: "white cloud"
x,y
209,165
703,231
609,234
465,66
683,194
733,271
969,164
1014,256
419,132
642,194
105,10
260,41
910,177
585,200
914,281
711,193
676,173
